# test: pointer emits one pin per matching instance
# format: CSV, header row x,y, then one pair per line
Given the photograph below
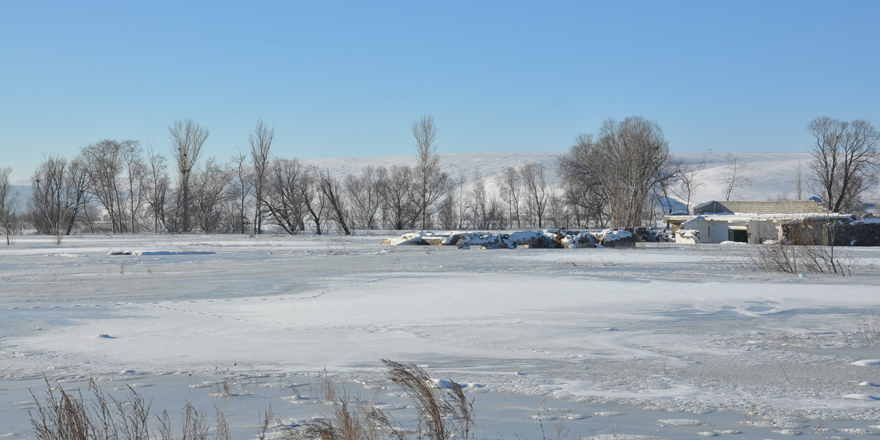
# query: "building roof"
x,y
747,218
761,208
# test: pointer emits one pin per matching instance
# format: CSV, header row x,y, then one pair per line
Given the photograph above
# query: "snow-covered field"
x,y
674,341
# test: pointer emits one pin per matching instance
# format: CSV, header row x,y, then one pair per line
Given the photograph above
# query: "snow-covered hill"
x,y
768,175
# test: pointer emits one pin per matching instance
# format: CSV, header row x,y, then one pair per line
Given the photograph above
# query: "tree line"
x,y
621,176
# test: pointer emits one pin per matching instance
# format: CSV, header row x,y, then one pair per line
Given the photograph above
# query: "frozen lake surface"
x,y
665,340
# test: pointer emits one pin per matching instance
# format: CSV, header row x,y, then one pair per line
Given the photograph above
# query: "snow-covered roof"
x,y
760,208
765,217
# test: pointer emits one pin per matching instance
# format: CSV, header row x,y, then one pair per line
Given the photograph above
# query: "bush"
x,y
778,257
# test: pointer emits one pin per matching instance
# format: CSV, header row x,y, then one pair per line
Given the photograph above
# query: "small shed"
x,y
717,228
744,221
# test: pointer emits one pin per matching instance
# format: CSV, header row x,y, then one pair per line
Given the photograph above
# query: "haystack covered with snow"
x,y
541,239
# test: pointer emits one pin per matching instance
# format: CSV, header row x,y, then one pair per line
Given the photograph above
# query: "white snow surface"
x,y
683,334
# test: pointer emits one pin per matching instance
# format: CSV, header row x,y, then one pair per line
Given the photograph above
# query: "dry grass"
x,y
67,415
795,259
441,413
868,325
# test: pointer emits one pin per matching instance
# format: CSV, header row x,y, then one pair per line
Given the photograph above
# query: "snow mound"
x,y
622,437
867,363
610,414
858,396
544,238
860,431
868,384
680,422
391,406
575,416
103,336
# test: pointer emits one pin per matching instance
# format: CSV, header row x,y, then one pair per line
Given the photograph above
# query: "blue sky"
x,y
340,79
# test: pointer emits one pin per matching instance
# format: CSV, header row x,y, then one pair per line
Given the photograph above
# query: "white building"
x,y
743,221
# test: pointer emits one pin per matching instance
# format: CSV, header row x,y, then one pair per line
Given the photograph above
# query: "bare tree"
x,y
364,193
399,207
559,213
478,202
734,175
452,209
157,184
261,141
59,195
114,168
313,199
431,181
625,163
446,214
536,190
582,189
209,192
686,179
799,182
240,190
845,160
8,200
187,137
284,196
135,170
76,182
332,191
510,185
